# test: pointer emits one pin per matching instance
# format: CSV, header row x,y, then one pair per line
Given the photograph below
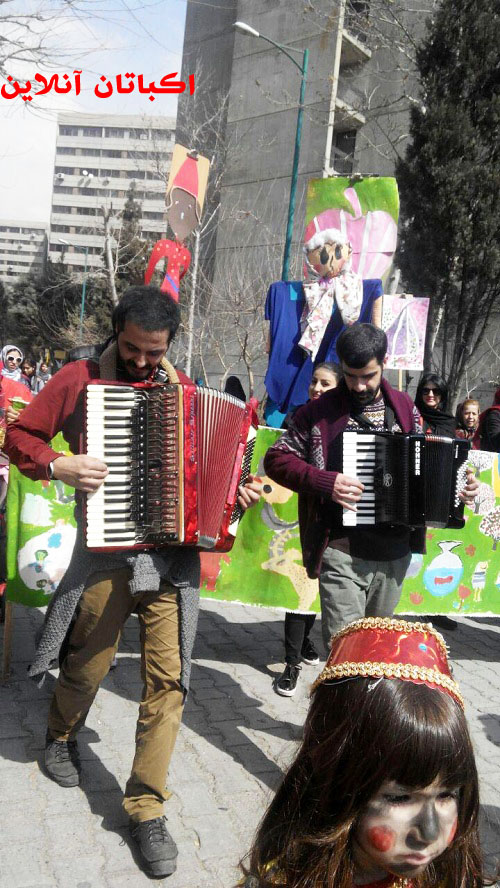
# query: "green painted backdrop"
x,y
459,574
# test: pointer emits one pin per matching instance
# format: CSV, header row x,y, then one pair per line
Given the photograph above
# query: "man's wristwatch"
x,y
50,470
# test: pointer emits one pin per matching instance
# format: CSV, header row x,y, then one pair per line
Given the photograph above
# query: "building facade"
x,y
359,86
97,158
23,248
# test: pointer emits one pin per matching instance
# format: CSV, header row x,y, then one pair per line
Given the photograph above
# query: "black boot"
x,y
158,849
62,762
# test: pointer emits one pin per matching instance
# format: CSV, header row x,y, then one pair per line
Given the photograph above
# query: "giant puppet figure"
x,y
349,242
185,195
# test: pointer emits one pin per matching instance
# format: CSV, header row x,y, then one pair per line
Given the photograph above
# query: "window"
x,y
92,131
63,150
161,134
91,152
110,152
87,211
114,132
59,208
63,189
343,148
356,18
136,174
67,171
68,130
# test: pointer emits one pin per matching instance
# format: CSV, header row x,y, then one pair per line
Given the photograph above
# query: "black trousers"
x,y
297,629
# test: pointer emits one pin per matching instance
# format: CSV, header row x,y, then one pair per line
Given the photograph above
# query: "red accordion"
x,y
176,455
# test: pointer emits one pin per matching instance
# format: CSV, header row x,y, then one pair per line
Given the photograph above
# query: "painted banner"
x,y
365,211
459,574
404,320
41,533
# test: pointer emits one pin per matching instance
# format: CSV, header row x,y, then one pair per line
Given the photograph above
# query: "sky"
x,y
98,37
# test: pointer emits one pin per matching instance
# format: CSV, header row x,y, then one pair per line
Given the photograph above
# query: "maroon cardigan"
x,y
299,457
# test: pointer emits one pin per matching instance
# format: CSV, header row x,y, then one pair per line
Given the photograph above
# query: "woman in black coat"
x,y
431,401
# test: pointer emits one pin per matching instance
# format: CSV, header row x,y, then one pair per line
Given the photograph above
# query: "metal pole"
x,y
84,287
335,88
192,299
295,169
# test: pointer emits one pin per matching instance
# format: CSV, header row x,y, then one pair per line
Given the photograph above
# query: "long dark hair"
x,y
358,734
440,384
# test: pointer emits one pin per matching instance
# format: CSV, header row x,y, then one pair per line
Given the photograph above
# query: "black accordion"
x,y
408,479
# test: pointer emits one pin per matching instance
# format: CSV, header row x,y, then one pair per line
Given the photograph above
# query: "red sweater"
x,y
58,408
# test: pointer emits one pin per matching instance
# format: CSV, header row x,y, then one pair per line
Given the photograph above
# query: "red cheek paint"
x,y
382,838
453,831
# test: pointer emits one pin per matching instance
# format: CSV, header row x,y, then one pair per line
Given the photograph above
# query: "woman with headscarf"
x,y
431,401
12,358
487,435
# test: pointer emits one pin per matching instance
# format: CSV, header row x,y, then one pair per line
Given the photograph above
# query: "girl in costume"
x,y
298,645
431,401
383,792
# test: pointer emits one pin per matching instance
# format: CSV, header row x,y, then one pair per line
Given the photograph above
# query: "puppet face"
x,y
402,830
181,213
329,260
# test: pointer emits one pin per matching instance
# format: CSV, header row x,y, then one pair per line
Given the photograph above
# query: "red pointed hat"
x,y
382,647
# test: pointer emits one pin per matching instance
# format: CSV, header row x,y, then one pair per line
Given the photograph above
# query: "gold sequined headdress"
x,y
382,647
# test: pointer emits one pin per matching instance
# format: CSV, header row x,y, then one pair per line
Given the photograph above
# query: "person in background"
x,y
28,368
467,418
12,358
431,400
42,377
487,435
298,645
234,387
383,791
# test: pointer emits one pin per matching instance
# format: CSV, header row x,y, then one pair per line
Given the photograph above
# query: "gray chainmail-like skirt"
x,y
179,565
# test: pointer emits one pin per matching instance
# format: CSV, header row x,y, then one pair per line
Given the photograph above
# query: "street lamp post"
x,y
84,288
65,243
243,28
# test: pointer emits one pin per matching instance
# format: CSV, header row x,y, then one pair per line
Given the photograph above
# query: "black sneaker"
x,y
286,684
62,762
158,849
309,653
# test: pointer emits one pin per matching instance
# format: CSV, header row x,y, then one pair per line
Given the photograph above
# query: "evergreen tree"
x,y
450,183
44,309
132,252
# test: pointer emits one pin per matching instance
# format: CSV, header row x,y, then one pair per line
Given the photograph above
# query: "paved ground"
x,y
236,738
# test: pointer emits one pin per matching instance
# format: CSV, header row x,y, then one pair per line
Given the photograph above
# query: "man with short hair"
x,y
360,569
103,589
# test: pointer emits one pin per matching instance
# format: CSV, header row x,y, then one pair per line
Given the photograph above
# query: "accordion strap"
x,y
169,368
107,364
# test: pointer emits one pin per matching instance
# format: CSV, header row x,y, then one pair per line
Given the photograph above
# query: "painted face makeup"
x,y
402,830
